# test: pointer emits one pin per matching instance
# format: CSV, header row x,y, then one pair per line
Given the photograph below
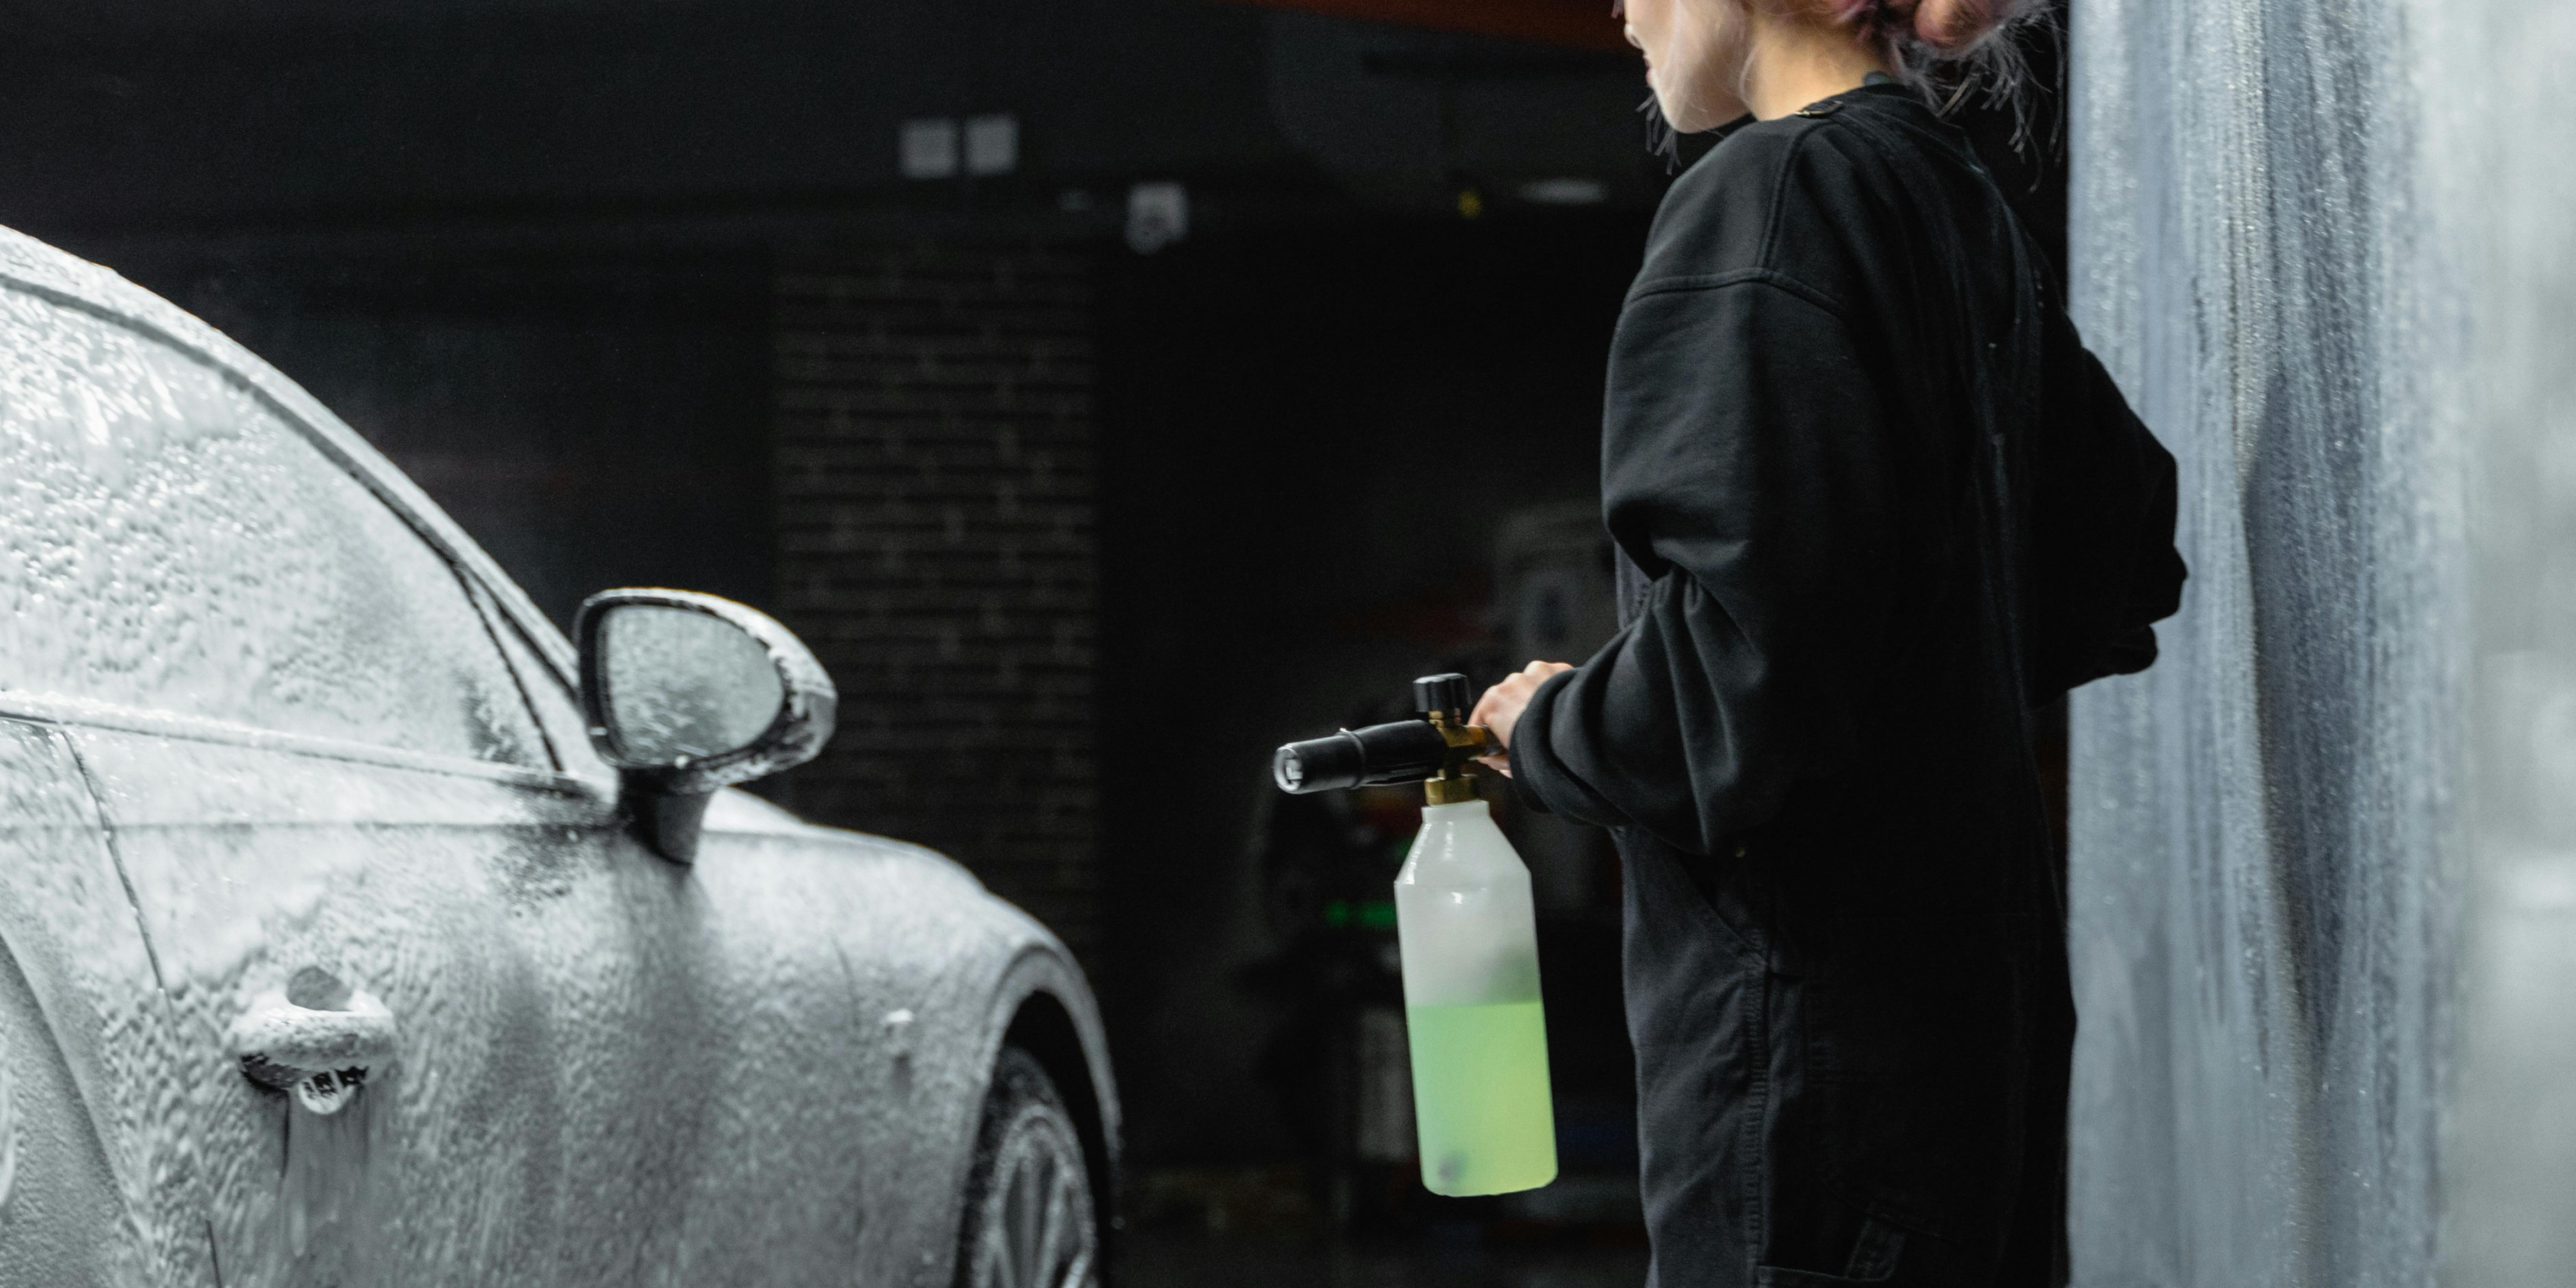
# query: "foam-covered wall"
x,y
2323,879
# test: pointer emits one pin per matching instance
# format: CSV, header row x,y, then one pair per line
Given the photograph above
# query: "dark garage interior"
x,y
1107,390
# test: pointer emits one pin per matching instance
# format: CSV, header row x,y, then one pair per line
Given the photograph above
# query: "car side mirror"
x,y
686,693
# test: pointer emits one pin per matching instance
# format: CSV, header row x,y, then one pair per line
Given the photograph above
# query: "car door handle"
x,y
318,1038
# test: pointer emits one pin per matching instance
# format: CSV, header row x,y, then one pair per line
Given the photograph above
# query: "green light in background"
x,y
1368,914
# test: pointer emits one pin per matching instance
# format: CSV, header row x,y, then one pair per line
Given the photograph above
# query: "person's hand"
x,y
1501,707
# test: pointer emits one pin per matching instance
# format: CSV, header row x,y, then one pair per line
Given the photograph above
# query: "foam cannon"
x,y
1434,749
1469,940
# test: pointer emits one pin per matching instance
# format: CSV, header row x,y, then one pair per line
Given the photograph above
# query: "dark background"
x,y
639,293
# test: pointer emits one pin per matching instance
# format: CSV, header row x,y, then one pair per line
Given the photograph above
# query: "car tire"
x,y
1030,1219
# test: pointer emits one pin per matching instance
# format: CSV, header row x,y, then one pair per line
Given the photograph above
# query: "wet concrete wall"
x,y
2323,855
2508,178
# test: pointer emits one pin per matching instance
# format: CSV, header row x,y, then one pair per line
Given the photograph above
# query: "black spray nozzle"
x,y
1405,751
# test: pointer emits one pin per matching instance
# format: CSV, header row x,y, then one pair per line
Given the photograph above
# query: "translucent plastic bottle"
x,y
1479,1039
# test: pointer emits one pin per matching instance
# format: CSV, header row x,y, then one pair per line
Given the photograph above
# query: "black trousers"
x,y
1838,1090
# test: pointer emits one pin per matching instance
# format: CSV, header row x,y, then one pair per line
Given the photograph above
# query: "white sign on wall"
x,y
927,148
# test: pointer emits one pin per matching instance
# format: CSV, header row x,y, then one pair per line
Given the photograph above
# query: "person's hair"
x,y
1941,28
1947,49
1946,45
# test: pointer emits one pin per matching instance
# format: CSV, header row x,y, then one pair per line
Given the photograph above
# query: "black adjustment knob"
x,y
1442,693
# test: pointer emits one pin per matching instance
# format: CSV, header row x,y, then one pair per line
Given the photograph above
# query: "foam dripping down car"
x,y
357,926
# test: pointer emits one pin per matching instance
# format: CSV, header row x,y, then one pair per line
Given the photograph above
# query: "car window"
x,y
558,711
169,542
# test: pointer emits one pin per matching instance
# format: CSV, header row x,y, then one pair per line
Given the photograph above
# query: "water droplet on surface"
x,y
329,1092
325,1185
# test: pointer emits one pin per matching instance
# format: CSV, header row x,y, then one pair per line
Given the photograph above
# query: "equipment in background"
x,y
1469,942
1553,601
1552,583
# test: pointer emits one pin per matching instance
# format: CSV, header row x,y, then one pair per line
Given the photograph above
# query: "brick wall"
x,y
935,519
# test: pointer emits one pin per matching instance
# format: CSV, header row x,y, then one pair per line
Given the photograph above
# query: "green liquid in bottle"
x,y
1480,1097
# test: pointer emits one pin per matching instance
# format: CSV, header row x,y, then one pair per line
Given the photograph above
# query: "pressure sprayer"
x,y
1469,940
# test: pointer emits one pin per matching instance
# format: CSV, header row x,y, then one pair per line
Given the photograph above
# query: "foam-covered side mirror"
x,y
686,693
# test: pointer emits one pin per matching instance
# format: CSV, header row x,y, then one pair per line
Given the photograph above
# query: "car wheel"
x,y
1029,1220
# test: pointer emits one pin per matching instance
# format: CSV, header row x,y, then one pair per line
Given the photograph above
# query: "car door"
x,y
321,782
80,1025
747,1007
630,952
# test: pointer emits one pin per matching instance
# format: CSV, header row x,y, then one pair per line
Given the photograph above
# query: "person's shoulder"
x,y
1754,206
1718,215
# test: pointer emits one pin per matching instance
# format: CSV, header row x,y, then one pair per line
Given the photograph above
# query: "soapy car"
x,y
357,927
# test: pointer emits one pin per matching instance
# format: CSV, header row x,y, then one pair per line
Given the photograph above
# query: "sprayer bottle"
x,y
1469,939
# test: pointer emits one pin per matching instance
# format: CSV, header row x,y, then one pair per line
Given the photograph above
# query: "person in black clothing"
x,y
1874,504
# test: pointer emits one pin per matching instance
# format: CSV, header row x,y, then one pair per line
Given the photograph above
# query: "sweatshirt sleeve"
x,y
1752,470
2102,558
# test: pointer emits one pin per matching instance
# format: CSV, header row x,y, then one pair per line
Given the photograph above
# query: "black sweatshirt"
x,y
1874,503
1872,498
